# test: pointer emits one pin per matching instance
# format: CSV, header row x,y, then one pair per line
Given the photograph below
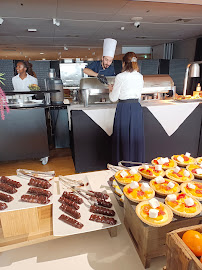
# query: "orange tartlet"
x,y
199,160
195,192
163,188
180,208
150,173
136,194
165,166
193,169
186,160
179,176
164,217
128,178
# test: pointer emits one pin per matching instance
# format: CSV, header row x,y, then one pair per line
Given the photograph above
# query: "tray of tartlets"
x,y
159,198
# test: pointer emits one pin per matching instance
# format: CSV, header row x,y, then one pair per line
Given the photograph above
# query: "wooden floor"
x,y
60,161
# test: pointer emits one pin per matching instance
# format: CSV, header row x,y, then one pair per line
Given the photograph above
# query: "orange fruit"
x,y
193,240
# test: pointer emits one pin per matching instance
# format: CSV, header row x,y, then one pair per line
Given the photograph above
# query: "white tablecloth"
x,y
169,114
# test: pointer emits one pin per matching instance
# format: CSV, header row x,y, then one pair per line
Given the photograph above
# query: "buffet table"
x,y
91,133
35,223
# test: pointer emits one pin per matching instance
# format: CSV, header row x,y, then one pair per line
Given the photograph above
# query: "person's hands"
x,y
110,87
102,78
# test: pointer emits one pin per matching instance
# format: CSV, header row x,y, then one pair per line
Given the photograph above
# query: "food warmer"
x,y
92,91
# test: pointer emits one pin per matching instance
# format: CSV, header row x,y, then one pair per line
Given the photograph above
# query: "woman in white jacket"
x,y
128,130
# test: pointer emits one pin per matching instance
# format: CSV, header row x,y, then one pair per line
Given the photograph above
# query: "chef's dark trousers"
x,y
128,132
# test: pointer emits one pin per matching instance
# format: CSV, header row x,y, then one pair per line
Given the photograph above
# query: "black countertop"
x,y
12,93
16,106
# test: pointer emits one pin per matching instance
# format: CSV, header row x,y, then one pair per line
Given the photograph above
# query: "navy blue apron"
x,y
128,132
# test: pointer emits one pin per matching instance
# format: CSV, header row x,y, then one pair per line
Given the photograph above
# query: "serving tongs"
x,y
77,190
113,168
136,163
120,164
72,181
35,174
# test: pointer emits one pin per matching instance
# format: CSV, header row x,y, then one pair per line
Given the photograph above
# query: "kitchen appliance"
x,y
54,83
93,91
71,73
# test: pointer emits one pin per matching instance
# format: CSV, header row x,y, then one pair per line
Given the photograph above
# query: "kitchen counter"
x,y
27,131
170,128
24,135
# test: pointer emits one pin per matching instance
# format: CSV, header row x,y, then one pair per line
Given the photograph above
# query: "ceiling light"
x,y
31,30
136,18
1,20
41,52
122,28
56,22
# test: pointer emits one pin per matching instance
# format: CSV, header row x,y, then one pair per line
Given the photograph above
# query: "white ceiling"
x,y
85,23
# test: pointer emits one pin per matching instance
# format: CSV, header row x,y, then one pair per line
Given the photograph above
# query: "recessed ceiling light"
x,y
136,18
31,30
122,28
41,52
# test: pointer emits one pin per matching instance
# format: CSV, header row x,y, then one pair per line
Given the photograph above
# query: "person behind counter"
x,y
23,79
128,129
103,68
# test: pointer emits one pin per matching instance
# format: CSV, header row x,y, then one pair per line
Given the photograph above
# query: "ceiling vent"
x,y
72,36
9,50
183,20
141,37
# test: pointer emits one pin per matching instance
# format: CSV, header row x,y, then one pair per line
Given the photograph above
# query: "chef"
x,y
104,67
23,79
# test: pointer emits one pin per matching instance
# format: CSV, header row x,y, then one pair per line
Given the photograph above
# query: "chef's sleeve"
x,y
92,66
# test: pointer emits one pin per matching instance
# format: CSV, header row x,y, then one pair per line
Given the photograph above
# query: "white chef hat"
x,y
109,47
